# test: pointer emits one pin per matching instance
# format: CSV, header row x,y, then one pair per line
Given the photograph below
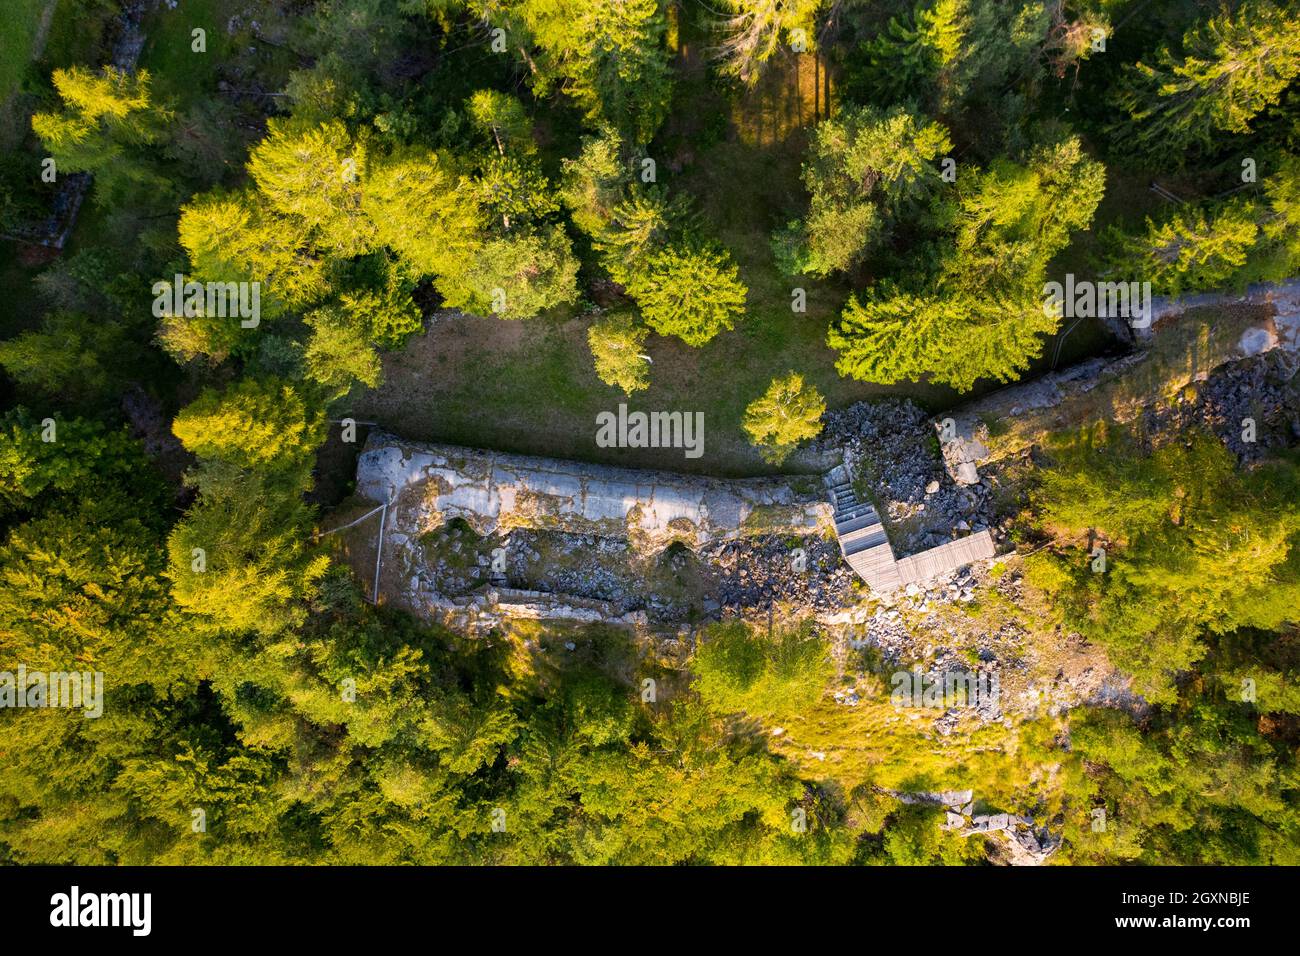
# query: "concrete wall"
x,y
493,491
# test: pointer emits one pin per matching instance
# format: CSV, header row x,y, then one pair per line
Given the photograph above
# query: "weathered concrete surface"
x,y
1187,340
494,491
1283,296
1104,389
493,606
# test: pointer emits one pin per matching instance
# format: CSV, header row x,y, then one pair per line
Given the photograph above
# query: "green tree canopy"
x,y
865,168
253,424
516,276
982,315
1169,522
789,412
1230,69
609,55
107,121
616,344
753,31
691,290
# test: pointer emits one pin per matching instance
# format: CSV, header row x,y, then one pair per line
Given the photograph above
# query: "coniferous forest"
x,y
241,238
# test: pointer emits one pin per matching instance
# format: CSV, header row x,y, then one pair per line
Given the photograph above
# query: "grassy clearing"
x,y
77,35
1014,765
39,37
530,387
876,744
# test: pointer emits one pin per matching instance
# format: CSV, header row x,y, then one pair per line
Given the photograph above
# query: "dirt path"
x,y
43,29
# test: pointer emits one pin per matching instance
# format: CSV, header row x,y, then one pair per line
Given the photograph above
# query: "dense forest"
x,y
759,208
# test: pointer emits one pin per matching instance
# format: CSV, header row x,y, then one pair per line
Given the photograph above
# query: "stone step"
x,y
852,520
865,524
864,539
852,523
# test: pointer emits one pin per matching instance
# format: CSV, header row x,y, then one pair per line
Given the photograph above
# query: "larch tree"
x,y
609,55
425,209
239,560
1170,521
789,412
950,56
312,175
1230,70
982,313
617,344
84,459
865,168
920,50
1192,251
639,226
263,424
691,290
753,31
69,355
339,352
237,237
1216,244
107,120
382,305
595,181
627,221
516,276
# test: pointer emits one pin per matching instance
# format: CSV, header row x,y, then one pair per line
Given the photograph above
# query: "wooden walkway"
x,y
866,546
946,557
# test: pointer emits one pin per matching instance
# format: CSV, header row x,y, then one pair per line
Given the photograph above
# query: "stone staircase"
x,y
862,536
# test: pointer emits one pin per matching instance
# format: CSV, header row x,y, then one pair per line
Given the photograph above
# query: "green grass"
x,y
178,71
77,35
22,26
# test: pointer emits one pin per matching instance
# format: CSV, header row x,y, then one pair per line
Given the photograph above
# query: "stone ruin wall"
x,y
1188,339
430,485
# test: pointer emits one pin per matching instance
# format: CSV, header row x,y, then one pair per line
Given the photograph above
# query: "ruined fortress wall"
x,y
494,491
1188,338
